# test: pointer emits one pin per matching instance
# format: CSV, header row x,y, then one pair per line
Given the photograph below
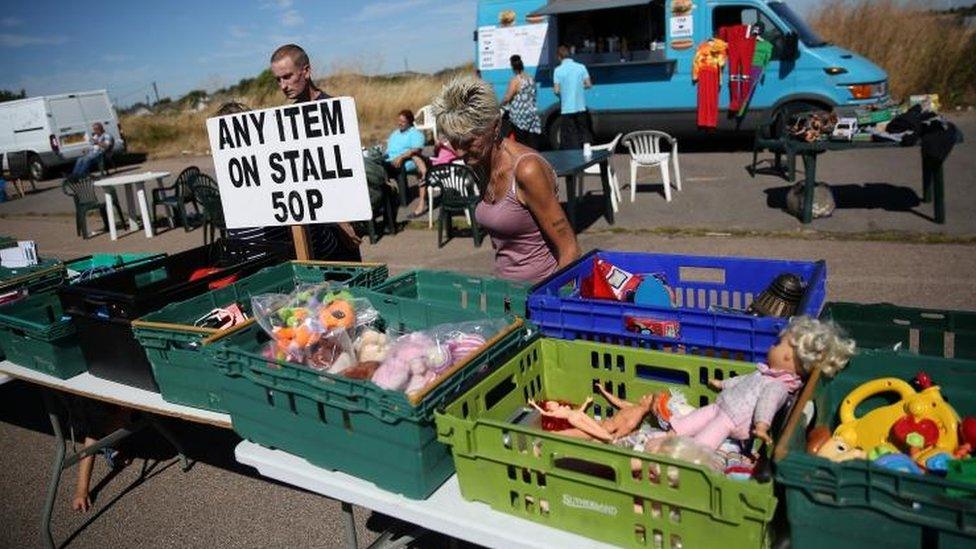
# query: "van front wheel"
x,y
36,167
782,115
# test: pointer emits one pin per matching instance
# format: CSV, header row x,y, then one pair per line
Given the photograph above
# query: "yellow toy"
x,y
874,427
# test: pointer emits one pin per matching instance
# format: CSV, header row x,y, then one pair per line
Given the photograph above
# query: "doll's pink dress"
x,y
743,402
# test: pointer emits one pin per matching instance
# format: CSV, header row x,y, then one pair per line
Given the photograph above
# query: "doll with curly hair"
x,y
747,403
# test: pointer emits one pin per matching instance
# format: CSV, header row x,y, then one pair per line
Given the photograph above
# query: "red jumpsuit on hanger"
x,y
741,47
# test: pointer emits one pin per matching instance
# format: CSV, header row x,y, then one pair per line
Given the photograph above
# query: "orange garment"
x,y
711,53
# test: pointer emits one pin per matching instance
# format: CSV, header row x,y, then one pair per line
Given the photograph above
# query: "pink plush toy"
x,y
464,344
413,362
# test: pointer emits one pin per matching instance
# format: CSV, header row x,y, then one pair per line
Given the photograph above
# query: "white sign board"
x,y
682,26
497,44
298,164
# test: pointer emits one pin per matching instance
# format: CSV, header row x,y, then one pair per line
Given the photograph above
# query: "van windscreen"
x,y
806,34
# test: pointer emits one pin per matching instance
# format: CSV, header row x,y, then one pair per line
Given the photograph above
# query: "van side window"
x,y
747,15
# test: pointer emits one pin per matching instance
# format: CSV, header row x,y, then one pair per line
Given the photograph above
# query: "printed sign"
x,y
293,165
682,26
497,44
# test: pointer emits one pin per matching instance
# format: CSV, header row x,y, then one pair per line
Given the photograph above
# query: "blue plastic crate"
x,y
699,282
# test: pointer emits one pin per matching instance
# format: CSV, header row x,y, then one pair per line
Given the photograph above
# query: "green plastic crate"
x,y
587,487
854,504
351,425
949,334
46,275
172,342
490,295
35,333
102,264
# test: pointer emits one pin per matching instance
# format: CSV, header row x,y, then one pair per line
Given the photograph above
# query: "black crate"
x,y
103,309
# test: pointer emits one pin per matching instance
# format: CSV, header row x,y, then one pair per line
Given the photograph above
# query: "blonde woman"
x,y
520,209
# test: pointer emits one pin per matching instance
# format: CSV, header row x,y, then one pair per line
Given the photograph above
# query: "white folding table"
x,y
128,181
89,386
445,511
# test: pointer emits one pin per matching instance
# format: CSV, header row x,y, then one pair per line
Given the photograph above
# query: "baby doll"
x,y
748,403
629,416
584,425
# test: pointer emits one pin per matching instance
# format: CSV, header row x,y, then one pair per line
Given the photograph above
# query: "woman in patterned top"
x,y
522,110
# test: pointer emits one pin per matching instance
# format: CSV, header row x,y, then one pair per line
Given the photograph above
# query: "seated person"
x,y
101,143
403,150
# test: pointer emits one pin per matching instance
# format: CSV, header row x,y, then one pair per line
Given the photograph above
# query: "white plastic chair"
x,y
425,120
595,170
645,151
455,179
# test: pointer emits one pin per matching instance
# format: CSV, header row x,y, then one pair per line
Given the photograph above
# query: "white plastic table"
x,y
137,180
445,511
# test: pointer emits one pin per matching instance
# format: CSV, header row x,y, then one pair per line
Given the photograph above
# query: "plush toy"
x,y
363,370
412,363
747,404
372,346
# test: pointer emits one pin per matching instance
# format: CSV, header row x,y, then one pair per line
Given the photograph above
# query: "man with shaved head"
x,y
293,72
101,142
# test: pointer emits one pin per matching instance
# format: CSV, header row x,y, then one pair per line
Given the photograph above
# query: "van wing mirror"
x,y
791,46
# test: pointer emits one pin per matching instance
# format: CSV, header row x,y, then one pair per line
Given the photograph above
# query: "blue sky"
x,y
55,46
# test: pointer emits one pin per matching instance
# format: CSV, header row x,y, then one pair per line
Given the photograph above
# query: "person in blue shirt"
x,y
403,156
570,80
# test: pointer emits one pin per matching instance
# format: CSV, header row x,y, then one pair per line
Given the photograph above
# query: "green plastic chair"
x,y
459,196
207,194
175,198
82,191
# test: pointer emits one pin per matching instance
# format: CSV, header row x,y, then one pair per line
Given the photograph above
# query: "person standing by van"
x,y
293,72
101,143
523,112
570,80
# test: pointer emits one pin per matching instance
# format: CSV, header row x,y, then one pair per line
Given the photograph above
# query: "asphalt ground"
x,y
877,249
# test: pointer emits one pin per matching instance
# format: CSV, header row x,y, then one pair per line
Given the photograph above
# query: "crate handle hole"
x,y
588,468
714,275
498,392
662,375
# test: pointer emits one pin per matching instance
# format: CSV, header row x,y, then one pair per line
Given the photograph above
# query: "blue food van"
x,y
639,55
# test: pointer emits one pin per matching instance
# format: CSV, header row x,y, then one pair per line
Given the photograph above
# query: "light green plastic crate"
x,y
586,487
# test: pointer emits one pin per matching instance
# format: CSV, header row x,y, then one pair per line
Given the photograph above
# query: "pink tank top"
x,y
521,253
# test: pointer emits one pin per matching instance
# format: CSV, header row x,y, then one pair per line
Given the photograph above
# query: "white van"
x,y
55,128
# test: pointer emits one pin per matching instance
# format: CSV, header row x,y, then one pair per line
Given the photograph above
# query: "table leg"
x,y
144,210
938,182
131,207
810,177
56,467
607,191
571,200
927,173
110,209
350,521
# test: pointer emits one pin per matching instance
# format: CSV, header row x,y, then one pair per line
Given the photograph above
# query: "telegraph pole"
x,y
156,91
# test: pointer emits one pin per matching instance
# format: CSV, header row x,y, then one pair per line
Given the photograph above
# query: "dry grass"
x,y
378,100
922,52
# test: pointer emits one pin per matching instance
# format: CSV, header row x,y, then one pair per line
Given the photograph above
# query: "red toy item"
x,y
922,381
554,423
610,282
907,425
216,284
650,326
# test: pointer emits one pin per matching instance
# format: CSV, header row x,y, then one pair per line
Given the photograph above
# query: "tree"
x,y
6,95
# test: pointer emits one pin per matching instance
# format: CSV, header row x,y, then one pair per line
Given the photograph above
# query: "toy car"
x,y
845,129
650,326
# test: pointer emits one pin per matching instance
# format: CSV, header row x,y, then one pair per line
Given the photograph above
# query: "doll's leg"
x,y
691,424
716,430
589,425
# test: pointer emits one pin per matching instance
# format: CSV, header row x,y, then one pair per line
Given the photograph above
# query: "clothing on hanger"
x,y
741,46
706,70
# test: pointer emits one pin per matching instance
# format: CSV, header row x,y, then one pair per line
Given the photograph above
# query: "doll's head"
x,y
806,344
